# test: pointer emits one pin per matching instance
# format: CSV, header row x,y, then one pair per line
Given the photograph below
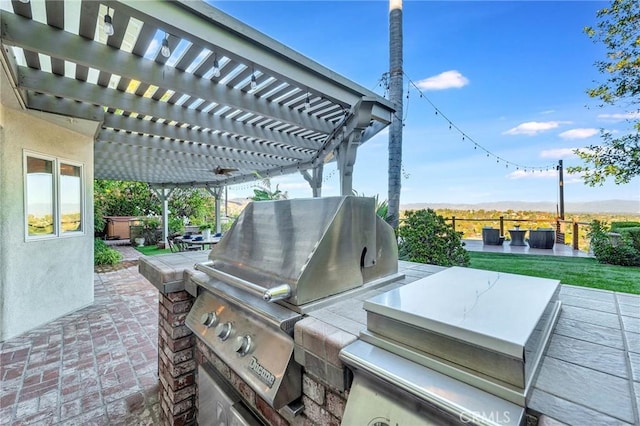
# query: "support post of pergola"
x,y
164,194
315,179
346,156
217,192
347,147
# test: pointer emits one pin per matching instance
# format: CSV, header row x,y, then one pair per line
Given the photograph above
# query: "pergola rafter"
x,y
170,121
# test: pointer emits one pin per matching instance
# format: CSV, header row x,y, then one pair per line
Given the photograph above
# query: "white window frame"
x,y
57,205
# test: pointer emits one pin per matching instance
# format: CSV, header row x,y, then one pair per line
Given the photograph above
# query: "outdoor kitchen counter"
x,y
167,272
320,337
590,374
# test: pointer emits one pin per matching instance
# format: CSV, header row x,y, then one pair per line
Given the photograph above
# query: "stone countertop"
x,y
167,271
589,375
320,336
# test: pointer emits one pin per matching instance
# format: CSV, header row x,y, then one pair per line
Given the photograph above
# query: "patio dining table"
x,y
195,240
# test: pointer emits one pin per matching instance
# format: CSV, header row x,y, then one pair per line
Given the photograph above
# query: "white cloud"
x,y
619,117
581,133
558,153
530,174
446,80
548,111
531,128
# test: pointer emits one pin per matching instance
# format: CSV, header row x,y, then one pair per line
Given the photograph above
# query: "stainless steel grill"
x,y
281,260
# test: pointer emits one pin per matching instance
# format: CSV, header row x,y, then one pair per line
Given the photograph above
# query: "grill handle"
x,y
273,294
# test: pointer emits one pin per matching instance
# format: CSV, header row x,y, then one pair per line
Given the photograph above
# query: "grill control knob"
x,y
223,331
209,319
242,345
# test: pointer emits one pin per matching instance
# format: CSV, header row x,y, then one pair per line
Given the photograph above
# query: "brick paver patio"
x,y
98,365
95,366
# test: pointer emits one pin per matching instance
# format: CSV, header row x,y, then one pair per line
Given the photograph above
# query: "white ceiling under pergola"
x,y
170,121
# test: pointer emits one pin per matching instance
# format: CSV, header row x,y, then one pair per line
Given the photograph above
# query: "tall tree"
x,y
618,27
396,79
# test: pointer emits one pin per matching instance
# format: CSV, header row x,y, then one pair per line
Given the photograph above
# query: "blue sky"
x,y
510,75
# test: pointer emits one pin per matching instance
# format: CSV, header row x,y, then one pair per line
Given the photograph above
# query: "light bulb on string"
x,y
254,84
307,103
108,25
216,66
165,50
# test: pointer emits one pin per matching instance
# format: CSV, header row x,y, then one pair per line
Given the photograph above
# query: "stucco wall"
x,y
41,280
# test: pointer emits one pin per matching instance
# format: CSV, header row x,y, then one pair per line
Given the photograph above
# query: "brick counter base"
x,y
176,364
322,405
179,353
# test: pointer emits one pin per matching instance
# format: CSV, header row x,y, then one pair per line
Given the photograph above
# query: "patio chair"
x,y
173,246
542,238
491,236
185,246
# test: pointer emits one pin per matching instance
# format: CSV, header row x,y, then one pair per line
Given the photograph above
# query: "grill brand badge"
x,y
263,374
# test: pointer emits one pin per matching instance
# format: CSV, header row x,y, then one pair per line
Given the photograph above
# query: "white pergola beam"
x,y
219,32
137,142
185,134
31,35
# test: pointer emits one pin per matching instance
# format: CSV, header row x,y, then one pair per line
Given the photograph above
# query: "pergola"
x,y
186,95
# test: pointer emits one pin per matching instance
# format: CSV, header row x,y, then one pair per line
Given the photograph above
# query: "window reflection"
x,y
70,198
40,206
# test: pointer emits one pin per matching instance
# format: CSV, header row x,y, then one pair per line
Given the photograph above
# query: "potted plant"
x,y
205,230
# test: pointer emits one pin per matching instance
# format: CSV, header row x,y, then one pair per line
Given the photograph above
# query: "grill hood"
x,y
317,247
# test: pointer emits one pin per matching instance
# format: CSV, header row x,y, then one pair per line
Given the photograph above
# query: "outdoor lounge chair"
x,y
491,236
542,238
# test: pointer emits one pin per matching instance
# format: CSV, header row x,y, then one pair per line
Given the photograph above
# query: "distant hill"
x,y
607,206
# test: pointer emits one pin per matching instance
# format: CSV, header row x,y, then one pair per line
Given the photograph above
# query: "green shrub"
x,y
425,237
176,225
623,252
103,254
632,235
151,230
617,226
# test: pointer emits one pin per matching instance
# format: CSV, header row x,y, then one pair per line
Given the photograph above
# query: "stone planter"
x,y
542,238
140,242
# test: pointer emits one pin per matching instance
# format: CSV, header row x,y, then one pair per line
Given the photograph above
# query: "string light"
x,y
254,84
466,137
165,51
108,25
216,66
307,103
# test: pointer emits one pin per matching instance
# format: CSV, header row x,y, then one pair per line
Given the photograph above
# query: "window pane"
x,y
39,196
70,198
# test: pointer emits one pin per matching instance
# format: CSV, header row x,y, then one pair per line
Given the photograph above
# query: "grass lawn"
x,y
152,250
569,270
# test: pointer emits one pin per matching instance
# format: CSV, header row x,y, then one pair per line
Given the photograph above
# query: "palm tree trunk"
x,y
395,96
